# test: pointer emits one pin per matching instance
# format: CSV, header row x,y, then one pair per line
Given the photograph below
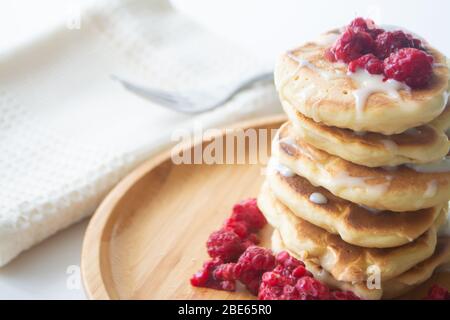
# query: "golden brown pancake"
x,y
396,189
443,121
345,262
322,91
423,144
390,289
354,224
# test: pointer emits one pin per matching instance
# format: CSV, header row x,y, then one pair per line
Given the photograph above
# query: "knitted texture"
x,y
68,133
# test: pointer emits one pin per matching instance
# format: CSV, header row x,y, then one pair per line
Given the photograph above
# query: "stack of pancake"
x,y
359,180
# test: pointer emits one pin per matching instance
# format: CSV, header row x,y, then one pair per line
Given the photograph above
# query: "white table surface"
x,y
51,269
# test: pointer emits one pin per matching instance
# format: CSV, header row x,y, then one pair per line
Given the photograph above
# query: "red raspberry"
x,y
369,62
409,65
251,266
273,287
343,295
437,292
239,227
225,272
312,289
256,258
351,45
205,277
248,212
299,272
224,244
288,262
329,55
389,42
251,240
281,283
358,24
365,25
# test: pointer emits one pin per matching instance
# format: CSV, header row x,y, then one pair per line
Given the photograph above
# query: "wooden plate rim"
x,y
95,242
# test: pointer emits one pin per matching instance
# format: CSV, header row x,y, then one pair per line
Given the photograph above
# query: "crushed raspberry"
x,y
205,277
290,280
238,227
359,24
251,240
225,272
369,62
411,66
343,295
363,45
312,289
272,287
248,212
224,244
389,42
351,45
235,257
251,266
365,25
437,292
227,244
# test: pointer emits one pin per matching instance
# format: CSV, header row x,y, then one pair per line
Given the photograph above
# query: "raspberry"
x,y
343,295
239,227
389,42
248,212
251,240
251,266
225,272
312,289
205,277
351,45
409,65
365,25
359,24
369,62
437,292
273,287
287,262
285,281
224,244
299,272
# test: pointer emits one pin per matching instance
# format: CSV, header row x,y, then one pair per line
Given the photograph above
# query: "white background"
x,y
265,27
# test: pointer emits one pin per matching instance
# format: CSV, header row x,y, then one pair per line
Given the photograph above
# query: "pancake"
x,y
402,188
345,262
322,91
390,289
443,121
418,145
354,224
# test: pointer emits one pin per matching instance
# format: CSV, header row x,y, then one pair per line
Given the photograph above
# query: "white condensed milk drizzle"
x,y
371,83
432,167
275,166
328,75
318,198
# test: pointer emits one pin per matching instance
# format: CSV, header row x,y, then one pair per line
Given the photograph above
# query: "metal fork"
x,y
193,102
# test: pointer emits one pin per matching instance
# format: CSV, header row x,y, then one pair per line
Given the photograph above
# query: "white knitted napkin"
x,y
68,133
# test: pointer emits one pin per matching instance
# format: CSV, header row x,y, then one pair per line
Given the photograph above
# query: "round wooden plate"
x,y
148,236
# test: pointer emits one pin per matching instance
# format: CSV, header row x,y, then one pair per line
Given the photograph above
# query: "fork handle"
x,y
245,84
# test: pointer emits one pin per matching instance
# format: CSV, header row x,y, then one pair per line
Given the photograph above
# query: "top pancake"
x,y
423,144
323,91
